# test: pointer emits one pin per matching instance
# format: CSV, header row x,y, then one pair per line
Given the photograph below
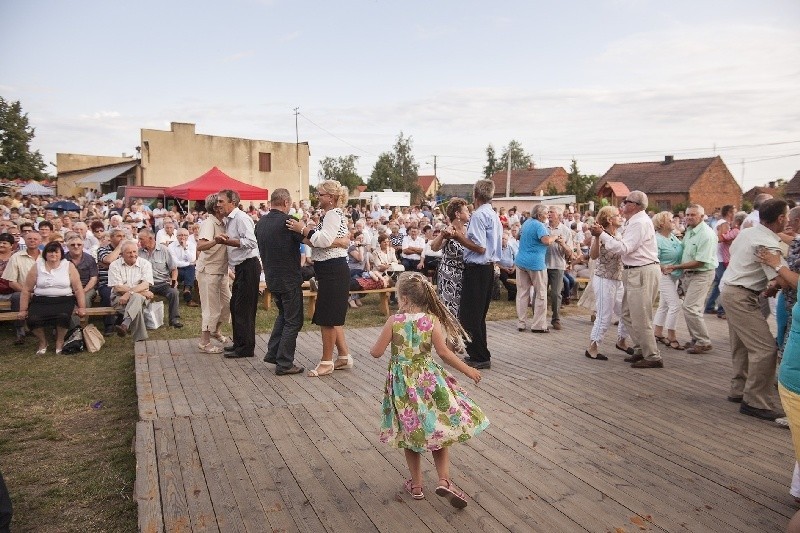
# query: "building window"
x,y
264,162
664,205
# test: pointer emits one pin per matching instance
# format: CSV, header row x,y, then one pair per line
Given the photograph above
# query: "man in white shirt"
x,y
184,253
159,213
640,276
167,234
413,246
130,278
753,218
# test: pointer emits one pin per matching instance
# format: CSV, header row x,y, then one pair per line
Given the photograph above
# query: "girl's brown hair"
x,y
422,294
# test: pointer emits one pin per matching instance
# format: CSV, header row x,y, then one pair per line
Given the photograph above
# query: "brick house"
x,y
530,181
671,182
771,189
429,185
792,189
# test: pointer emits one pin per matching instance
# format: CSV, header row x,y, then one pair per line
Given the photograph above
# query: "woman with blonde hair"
x,y
332,274
670,252
607,285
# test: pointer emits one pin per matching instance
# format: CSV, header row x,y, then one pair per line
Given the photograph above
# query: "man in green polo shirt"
x,y
698,263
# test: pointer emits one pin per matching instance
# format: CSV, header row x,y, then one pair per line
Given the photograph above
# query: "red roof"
x,y
618,188
675,176
425,181
526,181
212,182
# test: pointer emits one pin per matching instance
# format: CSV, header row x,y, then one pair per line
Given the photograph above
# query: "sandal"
x,y
209,348
220,337
675,345
447,490
324,368
410,488
662,340
343,362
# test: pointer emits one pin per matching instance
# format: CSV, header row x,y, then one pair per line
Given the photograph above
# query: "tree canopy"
x,y
16,158
396,170
492,165
341,169
580,184
519,159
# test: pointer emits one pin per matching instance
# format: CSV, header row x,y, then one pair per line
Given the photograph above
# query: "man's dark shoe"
x,y
192,303
764,414
20,340
108,332
699,348
635,358
229,348
286,371
268,359
648,363
556,324
176,324
122,330
735,399
234,355
480,365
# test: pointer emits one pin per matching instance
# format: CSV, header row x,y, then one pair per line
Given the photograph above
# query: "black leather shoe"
x,y
599,356
635,358
287,371
234,355
648,363
764,414
229,348
480,365
628,350
735,399
268,360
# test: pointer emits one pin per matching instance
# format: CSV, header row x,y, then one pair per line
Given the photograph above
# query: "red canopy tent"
x,y
214,181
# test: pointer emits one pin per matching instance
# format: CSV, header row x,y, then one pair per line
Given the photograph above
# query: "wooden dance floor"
x,y
574,444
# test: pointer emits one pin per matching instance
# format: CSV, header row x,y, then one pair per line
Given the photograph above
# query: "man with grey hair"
x,y
483,248
640,276
131,278
753,218
699,263
556,258
240,239
105,256
165,273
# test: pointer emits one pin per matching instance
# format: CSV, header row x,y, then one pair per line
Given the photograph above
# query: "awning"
x,y
105,175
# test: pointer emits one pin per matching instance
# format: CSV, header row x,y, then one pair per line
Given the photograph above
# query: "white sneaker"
x,y
782,422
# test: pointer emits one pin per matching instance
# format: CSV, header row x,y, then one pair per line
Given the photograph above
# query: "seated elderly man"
x,y
87,270
130,278
16,273
184,253
165,274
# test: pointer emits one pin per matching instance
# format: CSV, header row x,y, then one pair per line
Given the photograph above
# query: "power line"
x,y
337,137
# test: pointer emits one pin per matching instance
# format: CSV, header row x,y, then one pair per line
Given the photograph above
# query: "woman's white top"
x,y
332,226
52,283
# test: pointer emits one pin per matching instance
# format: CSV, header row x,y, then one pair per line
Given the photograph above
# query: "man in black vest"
x,y
280,256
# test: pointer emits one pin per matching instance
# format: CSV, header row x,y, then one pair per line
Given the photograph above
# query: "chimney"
x,y
669,159
771,184
530,166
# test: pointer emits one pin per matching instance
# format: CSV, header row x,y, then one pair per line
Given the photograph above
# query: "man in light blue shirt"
x,y
482,249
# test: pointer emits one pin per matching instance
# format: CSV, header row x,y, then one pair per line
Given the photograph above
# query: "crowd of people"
x,y
454,256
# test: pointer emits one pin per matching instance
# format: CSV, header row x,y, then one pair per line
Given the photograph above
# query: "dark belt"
x,y
626,267
748,289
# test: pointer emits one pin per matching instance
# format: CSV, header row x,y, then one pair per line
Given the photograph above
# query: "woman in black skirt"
x,y
56,288
332,275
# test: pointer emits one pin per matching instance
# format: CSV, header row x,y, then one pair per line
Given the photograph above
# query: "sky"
x,y
601,81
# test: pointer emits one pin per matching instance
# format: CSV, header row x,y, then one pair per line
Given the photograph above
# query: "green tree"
x,y
341,169
16,158
396,170
519,159
492,164
552,190
580,184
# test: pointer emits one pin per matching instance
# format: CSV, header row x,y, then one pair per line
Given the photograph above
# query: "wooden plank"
x,y
198,500
173,497
146,489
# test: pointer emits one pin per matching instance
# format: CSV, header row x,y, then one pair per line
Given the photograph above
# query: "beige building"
x,y
179,155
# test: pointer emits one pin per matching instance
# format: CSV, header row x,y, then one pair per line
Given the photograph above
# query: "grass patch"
x,y
70,466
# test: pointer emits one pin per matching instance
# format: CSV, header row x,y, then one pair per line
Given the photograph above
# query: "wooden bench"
x,y
384,304
91,311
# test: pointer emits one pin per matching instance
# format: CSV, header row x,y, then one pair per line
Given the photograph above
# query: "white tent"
x,y
34,188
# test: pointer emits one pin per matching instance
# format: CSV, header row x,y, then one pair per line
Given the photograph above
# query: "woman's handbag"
x,y
93,340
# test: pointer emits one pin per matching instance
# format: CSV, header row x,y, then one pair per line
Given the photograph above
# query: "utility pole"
x,y
301,193
743,174
434,168
508,173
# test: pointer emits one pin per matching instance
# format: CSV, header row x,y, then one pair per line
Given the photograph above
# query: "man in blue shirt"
x,y
483,248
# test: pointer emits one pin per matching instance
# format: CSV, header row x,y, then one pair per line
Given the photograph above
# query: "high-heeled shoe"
x,y
343,362
324,368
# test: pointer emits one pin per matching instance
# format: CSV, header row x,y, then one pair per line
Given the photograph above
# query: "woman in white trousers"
x,y
670,251
607,285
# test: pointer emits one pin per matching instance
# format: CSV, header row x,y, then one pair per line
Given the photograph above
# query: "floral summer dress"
x,y
424,408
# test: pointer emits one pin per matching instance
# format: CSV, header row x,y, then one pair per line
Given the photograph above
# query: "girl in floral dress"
x,y
424,408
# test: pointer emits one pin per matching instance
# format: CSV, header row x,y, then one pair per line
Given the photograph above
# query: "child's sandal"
x,y
410,488
447,490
